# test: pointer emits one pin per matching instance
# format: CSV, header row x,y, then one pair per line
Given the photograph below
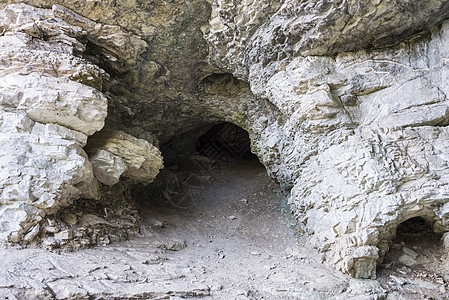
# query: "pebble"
x,y
159,224
398,280
217,288
172,245
64,235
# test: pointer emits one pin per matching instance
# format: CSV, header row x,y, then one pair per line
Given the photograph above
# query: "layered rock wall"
x,y
353,129
51,102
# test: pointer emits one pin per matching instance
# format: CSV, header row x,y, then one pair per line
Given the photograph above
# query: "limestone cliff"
x,y
345,103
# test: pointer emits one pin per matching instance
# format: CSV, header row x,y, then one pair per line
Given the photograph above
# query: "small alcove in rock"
x,y
416,254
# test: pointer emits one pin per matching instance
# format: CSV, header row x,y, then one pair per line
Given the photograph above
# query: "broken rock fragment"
x,y
115,153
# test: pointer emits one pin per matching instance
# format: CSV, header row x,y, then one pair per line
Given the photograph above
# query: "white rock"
x,y
359,139
445,239
64,235
115,153
55,100
32,233
108,168
47,110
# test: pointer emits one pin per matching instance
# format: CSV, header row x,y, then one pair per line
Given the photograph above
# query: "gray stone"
x,y
172,245
445,239
409,258
64,235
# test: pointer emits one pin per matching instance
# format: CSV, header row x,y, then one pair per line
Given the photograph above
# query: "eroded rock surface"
x,y
115,153
360,127
51,101
356,140
46,116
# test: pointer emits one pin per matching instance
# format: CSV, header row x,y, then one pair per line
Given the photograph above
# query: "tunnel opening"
x,y
196,158
226,142
416,232
223,142
415,250
213,204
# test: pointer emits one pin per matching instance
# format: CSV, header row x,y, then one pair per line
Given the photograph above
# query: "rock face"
x,y
46,116
360,135
244,34
51,101
345,103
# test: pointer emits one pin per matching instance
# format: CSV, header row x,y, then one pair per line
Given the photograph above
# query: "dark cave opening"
x,y
222,142
415,230
413,249
412,226
226,142
196,158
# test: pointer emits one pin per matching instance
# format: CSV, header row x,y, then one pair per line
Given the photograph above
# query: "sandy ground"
x,y
235,243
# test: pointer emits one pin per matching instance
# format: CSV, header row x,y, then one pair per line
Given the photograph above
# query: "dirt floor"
x,y
233,242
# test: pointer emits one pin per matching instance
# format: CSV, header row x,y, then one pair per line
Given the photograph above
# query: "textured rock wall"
x,y
345,103
51,101
357,135
46,116
156,56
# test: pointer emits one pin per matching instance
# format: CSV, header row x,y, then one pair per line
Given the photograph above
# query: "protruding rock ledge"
x,y
114,154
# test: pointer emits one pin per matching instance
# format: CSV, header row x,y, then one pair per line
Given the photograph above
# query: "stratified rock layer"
x,y
50,102
46,116
358,136
114,154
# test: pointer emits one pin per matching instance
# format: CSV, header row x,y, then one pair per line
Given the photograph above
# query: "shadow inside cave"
x,y
226,142
193,160
415,231
415,251
213,186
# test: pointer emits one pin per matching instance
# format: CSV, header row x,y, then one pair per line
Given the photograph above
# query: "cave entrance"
x,y
198,157
414,230
213,206
226,142
415,248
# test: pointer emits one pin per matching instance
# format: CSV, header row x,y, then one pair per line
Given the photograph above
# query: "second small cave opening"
x,y
417,233
415,249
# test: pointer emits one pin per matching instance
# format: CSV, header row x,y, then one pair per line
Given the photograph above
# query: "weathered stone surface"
x,y
114,154
120,48
64,235
46,114
51,101
154,52
246,33
360,138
